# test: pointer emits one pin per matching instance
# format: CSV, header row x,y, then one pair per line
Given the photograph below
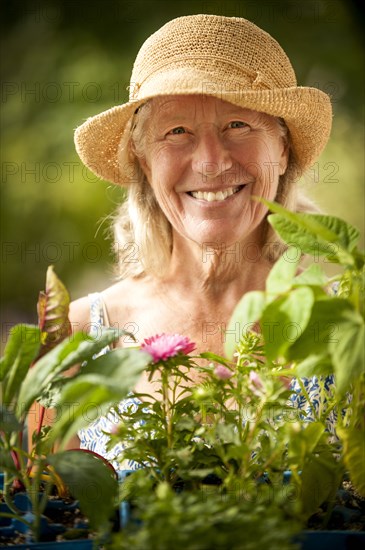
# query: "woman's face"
x,y
205,158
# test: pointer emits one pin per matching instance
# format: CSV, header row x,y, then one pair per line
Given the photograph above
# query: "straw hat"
x,y
226,57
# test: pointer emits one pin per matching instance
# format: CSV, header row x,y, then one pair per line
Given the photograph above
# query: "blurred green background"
x,y
65,60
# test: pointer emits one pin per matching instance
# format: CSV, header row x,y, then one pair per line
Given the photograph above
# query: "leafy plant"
x,y
233,460
33,369
232,440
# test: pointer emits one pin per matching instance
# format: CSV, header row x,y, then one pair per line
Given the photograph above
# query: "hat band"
x,y
238,76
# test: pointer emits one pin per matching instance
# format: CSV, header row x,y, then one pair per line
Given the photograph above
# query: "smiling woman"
x,y
215,119
204,159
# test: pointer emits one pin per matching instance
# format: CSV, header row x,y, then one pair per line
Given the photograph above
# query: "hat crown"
x,y
223,51
229,58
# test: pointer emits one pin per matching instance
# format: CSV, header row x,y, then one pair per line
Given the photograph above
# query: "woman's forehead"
x,y
192,105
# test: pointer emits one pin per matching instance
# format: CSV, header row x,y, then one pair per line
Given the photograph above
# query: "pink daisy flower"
x,y
256,383
163,346
222,372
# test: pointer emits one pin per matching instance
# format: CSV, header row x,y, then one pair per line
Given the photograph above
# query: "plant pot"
x,y
331,540
84,544
10,527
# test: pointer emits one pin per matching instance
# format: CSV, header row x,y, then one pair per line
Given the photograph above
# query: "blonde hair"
x,y
142,233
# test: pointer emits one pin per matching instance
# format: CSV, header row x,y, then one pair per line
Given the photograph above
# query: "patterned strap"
x,y
96,309
98,317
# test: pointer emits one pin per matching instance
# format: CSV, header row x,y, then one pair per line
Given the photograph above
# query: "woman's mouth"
x,y
215,196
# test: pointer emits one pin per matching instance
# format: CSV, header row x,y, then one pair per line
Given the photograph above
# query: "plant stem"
x,y
166,407
33,489
305,393
7,499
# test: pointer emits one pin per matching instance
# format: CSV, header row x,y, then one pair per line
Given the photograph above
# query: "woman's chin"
x,y
223,233
221,240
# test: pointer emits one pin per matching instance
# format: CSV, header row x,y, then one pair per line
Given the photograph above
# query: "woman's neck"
x,y
211,268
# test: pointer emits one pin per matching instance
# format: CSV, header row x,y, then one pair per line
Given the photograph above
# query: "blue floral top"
x,y
95,436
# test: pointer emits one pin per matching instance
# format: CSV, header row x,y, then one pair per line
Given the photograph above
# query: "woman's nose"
x,y
211,158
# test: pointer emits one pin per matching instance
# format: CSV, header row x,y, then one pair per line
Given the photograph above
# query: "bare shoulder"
x,y
125,289
79,314
120,300
124,297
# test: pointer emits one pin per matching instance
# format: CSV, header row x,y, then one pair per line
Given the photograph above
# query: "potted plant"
x,y
33,369
238,460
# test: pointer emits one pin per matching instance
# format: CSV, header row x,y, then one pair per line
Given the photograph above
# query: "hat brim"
x,y
306,111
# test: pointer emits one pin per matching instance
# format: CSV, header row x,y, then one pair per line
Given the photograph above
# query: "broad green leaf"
x,y
285,320
320,481
322,329
313,275
303,442
91,481
121,365
51,393
72,351
83,401
281,276
53,308
314,365
309,452
313,434
324,227
20,351
347,350
102,383
315,234
354,456
247,312
311,242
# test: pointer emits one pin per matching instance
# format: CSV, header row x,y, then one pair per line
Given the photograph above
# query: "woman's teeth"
x,y
210,196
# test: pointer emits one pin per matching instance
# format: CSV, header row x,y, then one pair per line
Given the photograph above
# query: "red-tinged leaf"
x,y
53,307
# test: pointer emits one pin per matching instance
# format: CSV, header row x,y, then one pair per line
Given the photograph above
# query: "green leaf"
x,y
320,481
53,308
347,350
51,393
247,312
313,275
322,329
354,456
102,383
21,350
313,434
8,421
7,464
284,321
336,330
121,365
215,358
315,234
73,351
314,365
91,481
281,276
328,228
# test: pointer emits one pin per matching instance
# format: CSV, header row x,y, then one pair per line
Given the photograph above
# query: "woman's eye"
x,y
238,124
177,130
